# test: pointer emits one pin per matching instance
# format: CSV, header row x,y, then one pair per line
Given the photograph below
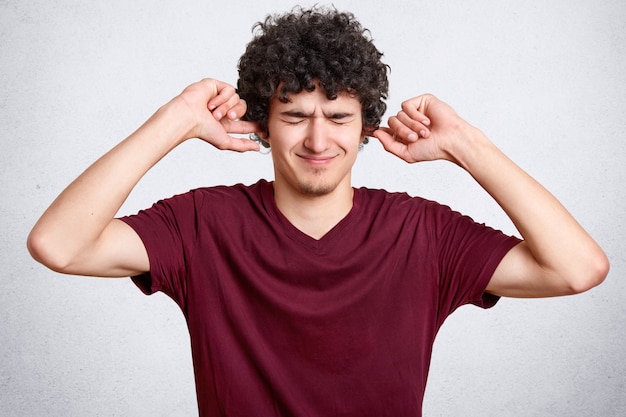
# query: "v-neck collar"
x,y
321,245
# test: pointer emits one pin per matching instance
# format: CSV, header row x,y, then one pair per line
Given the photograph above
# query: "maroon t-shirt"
x,y
282,324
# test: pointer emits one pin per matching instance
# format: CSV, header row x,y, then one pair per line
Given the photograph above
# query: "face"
x,y
314,141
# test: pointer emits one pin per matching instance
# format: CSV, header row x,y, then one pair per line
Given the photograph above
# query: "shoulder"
x,y
201,202
411,214
223,195
379,199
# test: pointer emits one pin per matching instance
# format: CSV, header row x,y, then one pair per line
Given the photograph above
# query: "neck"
x,y
314,215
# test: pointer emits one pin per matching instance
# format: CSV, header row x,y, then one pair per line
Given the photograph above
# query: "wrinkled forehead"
x,y
308,101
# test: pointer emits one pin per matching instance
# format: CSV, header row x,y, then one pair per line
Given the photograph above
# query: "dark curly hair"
x,y
297,49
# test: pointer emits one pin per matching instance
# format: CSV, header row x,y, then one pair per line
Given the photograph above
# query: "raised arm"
x,y
557,256
78,233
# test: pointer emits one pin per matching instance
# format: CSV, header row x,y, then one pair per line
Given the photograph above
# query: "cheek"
x,y
354,139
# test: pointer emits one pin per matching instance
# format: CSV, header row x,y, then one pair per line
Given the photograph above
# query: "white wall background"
x,y
545,80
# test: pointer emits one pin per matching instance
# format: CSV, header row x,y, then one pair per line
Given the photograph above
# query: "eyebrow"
x,y
301,114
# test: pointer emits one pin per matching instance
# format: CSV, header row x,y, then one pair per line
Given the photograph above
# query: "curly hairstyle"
x,y
296,50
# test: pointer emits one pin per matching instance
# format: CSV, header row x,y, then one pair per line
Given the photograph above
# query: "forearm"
x,y
557,256
80,214
565,256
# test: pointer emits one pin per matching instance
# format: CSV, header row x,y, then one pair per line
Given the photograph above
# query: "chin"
x,y
317,189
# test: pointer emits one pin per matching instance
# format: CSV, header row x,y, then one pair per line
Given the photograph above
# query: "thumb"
x,y
387,138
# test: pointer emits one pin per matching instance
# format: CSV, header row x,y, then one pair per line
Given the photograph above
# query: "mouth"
x,y
317,160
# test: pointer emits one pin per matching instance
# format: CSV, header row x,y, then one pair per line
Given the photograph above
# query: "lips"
x,y
317,160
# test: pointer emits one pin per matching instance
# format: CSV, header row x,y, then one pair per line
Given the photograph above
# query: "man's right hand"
x,y
214,108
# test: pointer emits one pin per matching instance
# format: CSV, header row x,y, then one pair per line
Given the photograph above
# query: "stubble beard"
x,y
318,186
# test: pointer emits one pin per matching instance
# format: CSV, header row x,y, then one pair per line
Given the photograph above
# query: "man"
x,y
304,296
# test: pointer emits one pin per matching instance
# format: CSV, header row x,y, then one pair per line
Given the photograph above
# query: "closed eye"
x,y
340,118
294,118
293,121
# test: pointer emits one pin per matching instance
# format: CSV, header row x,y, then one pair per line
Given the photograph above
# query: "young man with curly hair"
x,y
305,296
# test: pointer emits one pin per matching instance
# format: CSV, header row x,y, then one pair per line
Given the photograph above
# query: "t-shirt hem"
x,y
142,281
488,300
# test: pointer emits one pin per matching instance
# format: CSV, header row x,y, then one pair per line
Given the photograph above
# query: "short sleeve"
x,y
168,231
468,255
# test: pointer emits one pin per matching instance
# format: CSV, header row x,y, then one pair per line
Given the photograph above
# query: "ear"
x,y
367,132
264,139
261,138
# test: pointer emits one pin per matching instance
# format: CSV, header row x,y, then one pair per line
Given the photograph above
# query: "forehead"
x,y
310,100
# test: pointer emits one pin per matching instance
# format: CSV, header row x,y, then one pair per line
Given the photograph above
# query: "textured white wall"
x,y
545,80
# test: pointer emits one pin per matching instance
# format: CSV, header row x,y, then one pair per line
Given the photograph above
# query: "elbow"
x,y
592,275
45,251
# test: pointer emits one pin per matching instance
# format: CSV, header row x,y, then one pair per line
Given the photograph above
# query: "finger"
x,y
415,125
240,126
233,108
242,145
225,92
224,141
238,109
416,108
401,131
388,139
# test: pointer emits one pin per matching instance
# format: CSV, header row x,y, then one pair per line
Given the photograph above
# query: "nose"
x,y
317,138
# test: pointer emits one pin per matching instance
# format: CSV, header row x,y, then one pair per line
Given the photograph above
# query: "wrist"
x,y
471,149
174,122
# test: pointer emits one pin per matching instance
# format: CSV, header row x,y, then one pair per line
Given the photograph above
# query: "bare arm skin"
x,y
557,256
78,233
